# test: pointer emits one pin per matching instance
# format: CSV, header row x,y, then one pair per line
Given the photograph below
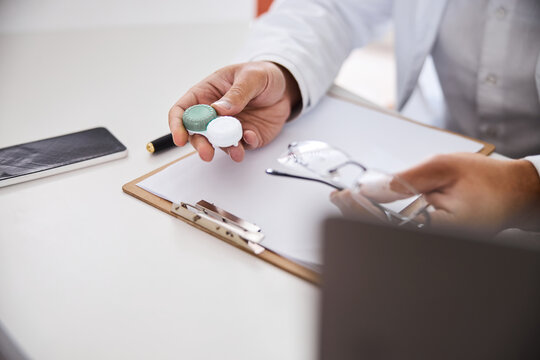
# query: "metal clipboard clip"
x,y
221,222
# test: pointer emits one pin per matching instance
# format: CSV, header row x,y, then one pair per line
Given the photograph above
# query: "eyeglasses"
x,y
370,187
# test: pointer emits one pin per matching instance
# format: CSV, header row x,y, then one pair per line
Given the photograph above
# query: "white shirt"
x,y
311,38
485,55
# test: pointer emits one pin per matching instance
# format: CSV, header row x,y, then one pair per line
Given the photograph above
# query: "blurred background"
x,y
369,72
51,15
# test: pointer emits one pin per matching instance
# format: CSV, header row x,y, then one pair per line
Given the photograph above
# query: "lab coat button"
x,y
501,13
491,79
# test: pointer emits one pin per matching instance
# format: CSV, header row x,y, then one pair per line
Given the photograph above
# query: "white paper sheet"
x,y
289,211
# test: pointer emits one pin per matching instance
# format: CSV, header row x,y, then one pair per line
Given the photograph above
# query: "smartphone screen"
x,y
50,156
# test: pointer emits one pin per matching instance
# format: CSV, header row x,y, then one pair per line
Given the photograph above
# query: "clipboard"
x,y
243,235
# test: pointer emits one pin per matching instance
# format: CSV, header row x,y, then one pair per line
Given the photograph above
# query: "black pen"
x,y
163,143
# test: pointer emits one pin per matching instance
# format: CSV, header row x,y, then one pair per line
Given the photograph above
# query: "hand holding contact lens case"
x,y
221,131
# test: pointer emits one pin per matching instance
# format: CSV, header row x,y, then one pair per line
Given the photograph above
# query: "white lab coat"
x,y
312,38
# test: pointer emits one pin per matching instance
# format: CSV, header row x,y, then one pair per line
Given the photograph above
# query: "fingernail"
x,y
223,104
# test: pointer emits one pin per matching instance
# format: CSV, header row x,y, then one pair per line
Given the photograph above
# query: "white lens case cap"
x,y
224,131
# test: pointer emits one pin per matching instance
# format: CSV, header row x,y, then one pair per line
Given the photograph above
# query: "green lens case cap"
x,y
197,117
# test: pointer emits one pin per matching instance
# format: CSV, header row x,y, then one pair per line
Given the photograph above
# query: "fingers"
x,y
203,147
429,176
424,178
377,187
229,91
247,85
252,139
206,150
180,135
355,205
236,152
442,218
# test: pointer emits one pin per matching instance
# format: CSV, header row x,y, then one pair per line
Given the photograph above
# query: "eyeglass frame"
x,y
390,214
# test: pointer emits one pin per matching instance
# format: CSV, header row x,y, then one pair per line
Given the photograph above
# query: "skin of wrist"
x,y
527,190
292,91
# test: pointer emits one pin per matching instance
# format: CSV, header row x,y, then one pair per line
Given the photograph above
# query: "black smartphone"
x,y
58,154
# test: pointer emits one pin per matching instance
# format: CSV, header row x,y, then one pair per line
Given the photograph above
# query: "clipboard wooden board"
x,y
267,255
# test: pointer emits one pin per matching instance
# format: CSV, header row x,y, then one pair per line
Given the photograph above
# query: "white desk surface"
x,y
88,272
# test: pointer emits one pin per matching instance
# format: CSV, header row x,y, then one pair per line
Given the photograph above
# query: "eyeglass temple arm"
x,y
349,162
279,173
389,213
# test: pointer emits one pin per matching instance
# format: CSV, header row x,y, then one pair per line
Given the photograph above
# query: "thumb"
x,y
426,177
246,86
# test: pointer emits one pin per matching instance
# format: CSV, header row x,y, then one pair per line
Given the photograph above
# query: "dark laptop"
x,y
8,349
392,293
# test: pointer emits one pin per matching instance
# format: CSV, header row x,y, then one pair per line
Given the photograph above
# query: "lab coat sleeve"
x,y
535,160
312,38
